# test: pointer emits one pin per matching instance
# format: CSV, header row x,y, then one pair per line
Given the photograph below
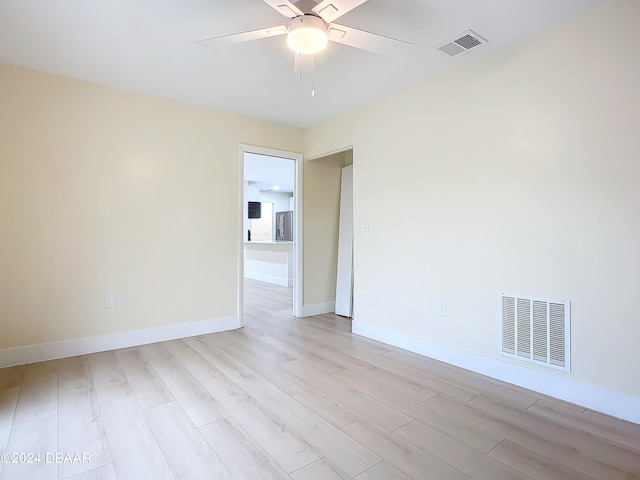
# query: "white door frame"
x,y
297,225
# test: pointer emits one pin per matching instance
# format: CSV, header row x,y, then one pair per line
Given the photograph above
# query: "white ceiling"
x,y
148,46
267,172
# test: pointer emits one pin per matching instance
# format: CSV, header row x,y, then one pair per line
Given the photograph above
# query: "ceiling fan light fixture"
x,y
307,35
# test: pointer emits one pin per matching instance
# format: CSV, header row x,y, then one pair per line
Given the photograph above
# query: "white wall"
x,y
253,194
280,200
517,171
272,263
262,228
111,192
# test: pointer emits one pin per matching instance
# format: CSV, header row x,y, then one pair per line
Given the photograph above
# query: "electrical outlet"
x,y
365,225
110,301
442,308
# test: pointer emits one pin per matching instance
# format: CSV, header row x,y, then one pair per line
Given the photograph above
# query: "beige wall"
x,y
104,191
516,171
321,220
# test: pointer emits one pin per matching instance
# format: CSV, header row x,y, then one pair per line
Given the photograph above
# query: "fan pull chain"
x,y
313,75
297,68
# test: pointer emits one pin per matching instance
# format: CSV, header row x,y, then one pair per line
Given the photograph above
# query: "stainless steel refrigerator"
x,y
284,226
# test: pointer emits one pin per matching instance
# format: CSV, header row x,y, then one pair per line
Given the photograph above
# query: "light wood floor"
x,y
299,399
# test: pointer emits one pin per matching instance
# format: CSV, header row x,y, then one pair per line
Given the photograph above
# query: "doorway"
x,y
270,243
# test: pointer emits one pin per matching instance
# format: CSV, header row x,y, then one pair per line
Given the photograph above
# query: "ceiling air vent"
x,y
536,329
463,42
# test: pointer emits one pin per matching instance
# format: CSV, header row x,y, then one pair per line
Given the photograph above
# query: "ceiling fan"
x,y
311,27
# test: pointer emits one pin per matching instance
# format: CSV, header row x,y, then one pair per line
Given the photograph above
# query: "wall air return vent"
x,y
536,329
462,43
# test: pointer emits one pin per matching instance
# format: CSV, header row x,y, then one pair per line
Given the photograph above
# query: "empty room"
x,y
445,284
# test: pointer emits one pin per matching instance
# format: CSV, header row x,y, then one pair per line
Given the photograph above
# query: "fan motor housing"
x,y
307,34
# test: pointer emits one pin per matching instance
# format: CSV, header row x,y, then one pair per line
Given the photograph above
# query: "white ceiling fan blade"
x,y
364,40
284,7
330,10
243,37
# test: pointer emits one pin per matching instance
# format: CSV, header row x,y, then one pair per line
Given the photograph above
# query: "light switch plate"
x,y
365,225
442,308
110,301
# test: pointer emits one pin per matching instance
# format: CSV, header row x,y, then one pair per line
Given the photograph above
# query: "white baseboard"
x,y
318,309
81,346
283,282
596,398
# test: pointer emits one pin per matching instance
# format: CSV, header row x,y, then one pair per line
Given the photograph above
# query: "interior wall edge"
x,y
81,346
595,398
328,154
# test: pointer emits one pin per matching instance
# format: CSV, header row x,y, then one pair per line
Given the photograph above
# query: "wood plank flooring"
x,y
295,399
